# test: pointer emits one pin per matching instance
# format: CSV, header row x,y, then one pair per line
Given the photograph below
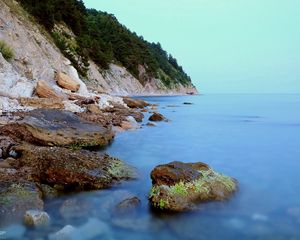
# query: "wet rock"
x,y
149,124
135,103
17,198
36,218
66,233
44,90
74,208
52,127
188,103
128,204
73,170
64,81
179,186
156,117
130,123
47,191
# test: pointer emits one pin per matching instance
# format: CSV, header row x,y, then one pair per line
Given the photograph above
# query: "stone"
x,y
156,117
71,169
149,124
128,204
135,103
188,103
53,103
44,90
36,218
180,186
5,146
64,81
16,198
66,233
74,208
52,127
93,108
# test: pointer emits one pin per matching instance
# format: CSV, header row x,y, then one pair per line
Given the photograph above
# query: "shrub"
x,y
6,50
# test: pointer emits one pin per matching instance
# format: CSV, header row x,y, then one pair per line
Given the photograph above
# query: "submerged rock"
x,y
17,198
128,204
179,186
52,127
71,170
66,233
36,218
156,117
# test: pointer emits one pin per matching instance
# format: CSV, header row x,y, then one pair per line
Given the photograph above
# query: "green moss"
x,y
80,145
6,51
180,188
119,169
15,191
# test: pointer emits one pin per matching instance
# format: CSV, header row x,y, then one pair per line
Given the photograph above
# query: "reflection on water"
x,y
254,138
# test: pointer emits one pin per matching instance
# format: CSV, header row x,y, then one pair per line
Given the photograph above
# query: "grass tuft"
x,y
6,50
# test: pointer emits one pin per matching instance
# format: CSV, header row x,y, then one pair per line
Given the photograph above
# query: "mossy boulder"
x,y
53,127
180,186
66,169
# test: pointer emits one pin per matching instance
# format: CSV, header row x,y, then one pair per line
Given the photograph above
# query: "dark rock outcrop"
x,y
52,127
156,117
179,186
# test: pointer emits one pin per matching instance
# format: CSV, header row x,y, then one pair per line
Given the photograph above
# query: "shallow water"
x,y
254,138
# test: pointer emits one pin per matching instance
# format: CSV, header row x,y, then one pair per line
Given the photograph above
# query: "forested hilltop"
x,y
100,37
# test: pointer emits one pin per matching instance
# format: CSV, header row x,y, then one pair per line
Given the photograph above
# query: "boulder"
x,y
44,90
66,233
135,103
156,117
5,146
52,127
179,186
36,218
17,197
64,81
70,170
53,103
128,204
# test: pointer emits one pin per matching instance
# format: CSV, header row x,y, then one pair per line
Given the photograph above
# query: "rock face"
x,y
156,117
52,127
66,82
71,170
179,186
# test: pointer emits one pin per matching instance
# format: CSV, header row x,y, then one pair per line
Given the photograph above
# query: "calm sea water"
x,y
254,138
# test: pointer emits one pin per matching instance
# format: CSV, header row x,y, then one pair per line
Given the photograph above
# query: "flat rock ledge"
x,y
179,187
53,127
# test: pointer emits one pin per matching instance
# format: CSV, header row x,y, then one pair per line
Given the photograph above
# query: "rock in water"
x,y
156,117
64,81
53,127
44,90
35,218
178,186
17,198
66,233
135,103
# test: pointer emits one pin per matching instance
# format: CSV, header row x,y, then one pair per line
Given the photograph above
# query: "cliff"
x,y
38,53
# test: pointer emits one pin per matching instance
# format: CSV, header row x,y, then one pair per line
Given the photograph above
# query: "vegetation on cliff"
x,y
100,37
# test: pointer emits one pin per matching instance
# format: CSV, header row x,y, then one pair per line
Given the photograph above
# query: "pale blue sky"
x,y
227,46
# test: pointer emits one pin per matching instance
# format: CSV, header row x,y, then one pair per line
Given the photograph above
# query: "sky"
x,y
226,46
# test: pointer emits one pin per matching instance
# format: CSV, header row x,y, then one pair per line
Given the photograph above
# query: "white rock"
x,y
36,218
72,107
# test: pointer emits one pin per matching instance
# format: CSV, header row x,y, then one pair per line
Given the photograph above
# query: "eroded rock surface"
x,y
52,127
180,186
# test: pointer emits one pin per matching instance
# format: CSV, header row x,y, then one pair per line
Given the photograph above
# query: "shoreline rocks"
x,y
52,127
156,117
180,186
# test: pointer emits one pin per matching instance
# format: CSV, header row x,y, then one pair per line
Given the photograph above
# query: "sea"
x,y
254,138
